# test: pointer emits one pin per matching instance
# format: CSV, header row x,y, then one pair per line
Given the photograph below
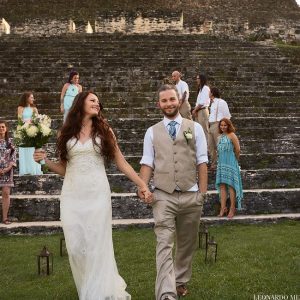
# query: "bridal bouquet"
x,y
34,133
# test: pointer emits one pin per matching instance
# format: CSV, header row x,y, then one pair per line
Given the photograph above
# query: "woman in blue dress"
x,y
69,92
27,165
228,177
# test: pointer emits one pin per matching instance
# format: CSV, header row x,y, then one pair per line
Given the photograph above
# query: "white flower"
x,y
32,131
189,136
25,125
19,127
45,130
45,120
17,135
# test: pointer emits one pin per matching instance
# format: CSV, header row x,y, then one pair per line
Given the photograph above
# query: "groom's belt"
x,y
179,191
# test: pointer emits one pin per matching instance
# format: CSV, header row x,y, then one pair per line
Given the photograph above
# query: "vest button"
x,y
176,162
175,152
176,171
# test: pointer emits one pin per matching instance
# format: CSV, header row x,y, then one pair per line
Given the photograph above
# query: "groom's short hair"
x,y
167,87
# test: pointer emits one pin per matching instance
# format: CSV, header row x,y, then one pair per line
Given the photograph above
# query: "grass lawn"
x,y
253,260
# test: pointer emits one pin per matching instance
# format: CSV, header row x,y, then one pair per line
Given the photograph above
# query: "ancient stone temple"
x,y
124,51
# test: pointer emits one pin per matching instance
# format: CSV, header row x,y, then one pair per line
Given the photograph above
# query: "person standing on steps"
x,y
183,91
85,142
175,150
218,110
26,109
7,163
200,112
68,93
228,176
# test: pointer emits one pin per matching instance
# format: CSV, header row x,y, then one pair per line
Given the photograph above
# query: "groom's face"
x,y
169,103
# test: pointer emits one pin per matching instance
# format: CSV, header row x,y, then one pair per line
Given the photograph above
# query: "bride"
x,y
85,142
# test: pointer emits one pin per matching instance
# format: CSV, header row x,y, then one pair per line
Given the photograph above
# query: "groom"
x,y
175,151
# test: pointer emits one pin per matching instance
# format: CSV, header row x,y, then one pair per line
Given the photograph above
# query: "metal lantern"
x,y
203,236
211,250
61,246
45,262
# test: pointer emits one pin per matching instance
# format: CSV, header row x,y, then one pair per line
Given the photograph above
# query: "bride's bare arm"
x,y
129,172
56,167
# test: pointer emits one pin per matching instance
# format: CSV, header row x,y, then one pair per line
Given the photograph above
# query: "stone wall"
x,y
136,24
284,30
254,19
139,24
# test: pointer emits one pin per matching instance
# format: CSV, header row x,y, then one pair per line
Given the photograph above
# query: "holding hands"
x,y
144,194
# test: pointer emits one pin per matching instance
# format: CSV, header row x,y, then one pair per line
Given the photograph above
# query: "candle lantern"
x,y
62,241
45,262
211,250
203,236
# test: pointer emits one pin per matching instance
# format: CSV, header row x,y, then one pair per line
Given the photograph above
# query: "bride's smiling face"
x,y
91,105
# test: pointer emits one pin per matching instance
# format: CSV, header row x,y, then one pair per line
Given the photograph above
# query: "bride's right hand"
x,y
39,155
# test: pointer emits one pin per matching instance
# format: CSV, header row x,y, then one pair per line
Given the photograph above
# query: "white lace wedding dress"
x,y
86,217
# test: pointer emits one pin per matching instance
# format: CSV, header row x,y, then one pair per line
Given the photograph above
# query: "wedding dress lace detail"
x,y
86,217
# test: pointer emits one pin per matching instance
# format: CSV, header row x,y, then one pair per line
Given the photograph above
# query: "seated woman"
x,y
228,171
7,162
27,165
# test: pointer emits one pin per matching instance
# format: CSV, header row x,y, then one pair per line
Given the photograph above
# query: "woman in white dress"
x,y
85,142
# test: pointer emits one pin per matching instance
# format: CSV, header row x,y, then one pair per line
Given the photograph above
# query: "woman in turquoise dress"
x,y
27,165
228,178
69,92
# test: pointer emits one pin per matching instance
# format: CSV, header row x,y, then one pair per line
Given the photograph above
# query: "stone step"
x,y
144,123
105,56
148,102
128,206
278,162
150,107
134,146
51,184
247,146
49,227
255,161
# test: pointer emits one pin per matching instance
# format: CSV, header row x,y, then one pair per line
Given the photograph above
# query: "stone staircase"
x,y
260,85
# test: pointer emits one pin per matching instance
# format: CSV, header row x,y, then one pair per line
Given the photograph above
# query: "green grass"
x,y
253,259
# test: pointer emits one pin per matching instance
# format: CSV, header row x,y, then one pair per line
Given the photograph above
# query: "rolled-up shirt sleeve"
x,y
148,152
201,144
223,110
203,96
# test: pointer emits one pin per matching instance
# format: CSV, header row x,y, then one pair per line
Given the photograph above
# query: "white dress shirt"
x,y
201,145
219,110
182,87
203,96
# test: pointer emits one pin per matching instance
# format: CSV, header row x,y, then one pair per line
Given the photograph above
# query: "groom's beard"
x,y
171,113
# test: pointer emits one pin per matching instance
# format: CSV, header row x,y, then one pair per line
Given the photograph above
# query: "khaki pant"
x,y
185,110
176,216
202,119
213,138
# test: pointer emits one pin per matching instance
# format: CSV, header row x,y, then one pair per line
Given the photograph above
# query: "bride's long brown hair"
x,y
72,127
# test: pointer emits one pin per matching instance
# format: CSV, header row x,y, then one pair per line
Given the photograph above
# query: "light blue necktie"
x,y
172,129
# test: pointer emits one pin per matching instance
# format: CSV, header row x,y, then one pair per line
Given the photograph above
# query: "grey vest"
x,y
174,161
